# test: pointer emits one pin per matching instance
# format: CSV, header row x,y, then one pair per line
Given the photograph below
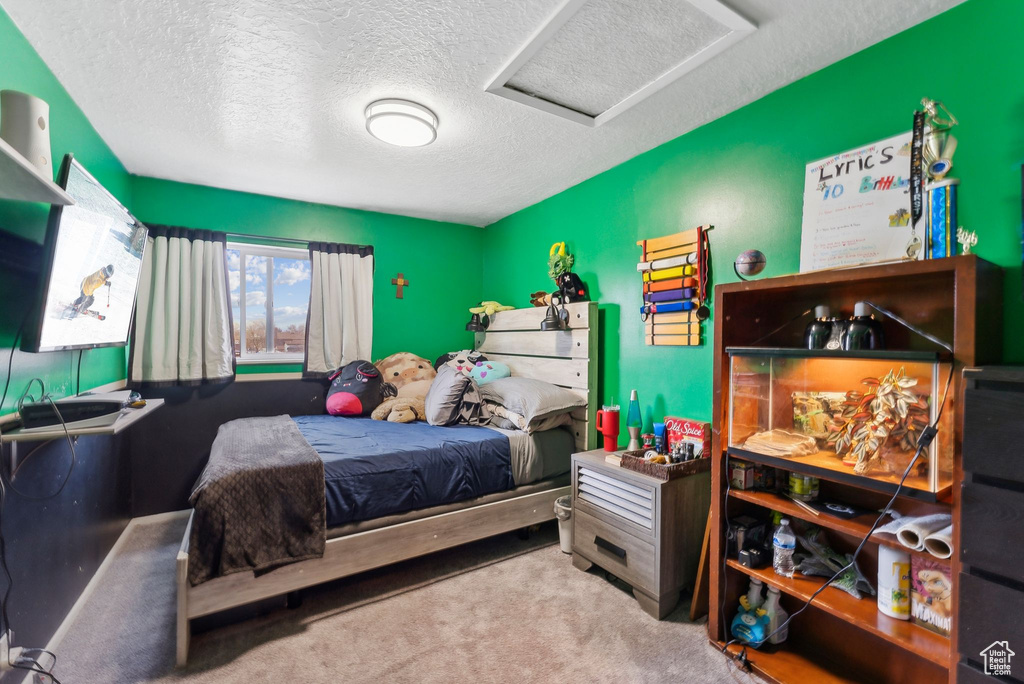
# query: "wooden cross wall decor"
x,y
399,282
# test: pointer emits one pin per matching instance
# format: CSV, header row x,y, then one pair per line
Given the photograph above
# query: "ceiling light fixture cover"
x,y
401,122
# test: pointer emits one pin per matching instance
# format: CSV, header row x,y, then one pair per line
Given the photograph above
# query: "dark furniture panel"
x,y
971,673
54,546
994,431
989,612
170,448
993,527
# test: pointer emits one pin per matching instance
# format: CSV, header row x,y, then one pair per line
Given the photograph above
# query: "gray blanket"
x,y
259,503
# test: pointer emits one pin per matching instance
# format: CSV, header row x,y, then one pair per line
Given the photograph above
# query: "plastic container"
x,y
803,487
863,330
784,542
893,582
776,617
755,599
818,331
563,511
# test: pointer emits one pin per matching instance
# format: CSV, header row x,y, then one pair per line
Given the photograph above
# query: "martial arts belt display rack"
x,y
675,281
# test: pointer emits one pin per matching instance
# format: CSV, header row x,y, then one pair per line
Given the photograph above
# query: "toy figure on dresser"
x,y
886,414
560,266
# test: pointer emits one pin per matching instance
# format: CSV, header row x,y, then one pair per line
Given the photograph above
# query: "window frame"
x,y
271,252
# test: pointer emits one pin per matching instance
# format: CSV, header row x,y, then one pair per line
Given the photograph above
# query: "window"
x,y
269,300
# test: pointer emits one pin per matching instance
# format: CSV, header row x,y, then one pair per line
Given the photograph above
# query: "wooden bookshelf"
x,y
783,665
862,613
854,527
839,638
824,465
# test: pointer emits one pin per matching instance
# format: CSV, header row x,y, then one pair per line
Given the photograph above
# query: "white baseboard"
x,y
97,577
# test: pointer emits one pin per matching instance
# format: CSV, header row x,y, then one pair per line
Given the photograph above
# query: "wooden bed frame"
x,y
565,358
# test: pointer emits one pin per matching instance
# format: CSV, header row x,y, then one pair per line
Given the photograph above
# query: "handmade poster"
x,y
857,207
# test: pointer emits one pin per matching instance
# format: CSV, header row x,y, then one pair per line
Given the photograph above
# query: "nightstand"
x,y
645,531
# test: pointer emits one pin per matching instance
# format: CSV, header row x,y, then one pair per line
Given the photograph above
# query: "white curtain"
x,y
182,333
340,325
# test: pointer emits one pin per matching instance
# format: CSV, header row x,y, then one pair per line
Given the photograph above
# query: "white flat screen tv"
x,y
91,266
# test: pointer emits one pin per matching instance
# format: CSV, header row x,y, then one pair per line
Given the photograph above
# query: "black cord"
x,y
784,325
10,360
78,375
71,446
6,623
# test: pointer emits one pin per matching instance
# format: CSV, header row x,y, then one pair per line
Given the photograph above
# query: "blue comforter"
x,y
375,468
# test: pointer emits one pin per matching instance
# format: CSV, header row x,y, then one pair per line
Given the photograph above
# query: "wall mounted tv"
x,y
91,265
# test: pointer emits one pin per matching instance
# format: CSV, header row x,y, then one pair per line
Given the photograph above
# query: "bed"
x,y
441,487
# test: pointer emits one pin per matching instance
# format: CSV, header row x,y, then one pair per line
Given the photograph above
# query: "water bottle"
x,y
784,542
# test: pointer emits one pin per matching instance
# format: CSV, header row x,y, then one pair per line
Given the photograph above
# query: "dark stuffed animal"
x,y
356,390
571,287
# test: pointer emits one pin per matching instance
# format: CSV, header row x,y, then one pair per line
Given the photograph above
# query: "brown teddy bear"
x,y
410,377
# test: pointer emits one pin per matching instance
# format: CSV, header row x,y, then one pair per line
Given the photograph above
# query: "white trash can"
x,y
563,511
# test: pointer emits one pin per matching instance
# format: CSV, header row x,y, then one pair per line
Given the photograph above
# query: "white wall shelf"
x,y
21,180
126,418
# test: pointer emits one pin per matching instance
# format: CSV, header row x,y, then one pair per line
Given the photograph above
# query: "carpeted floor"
x,y
500,610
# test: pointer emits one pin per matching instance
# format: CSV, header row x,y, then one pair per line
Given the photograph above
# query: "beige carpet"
x,y
499,610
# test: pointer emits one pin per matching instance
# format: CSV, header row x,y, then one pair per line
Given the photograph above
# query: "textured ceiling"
x,y
267,96
610,49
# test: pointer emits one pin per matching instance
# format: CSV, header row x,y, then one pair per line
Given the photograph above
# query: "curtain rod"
x,y
248,238
239,237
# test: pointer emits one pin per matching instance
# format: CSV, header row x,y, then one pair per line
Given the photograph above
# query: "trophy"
x,y
939,142
938,149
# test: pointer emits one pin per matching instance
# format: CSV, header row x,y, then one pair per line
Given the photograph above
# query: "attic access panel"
x,y
594,59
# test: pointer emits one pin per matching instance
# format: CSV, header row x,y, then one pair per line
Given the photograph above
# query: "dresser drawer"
x,y
618,552
616,496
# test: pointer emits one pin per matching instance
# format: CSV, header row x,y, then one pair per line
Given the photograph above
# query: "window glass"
x,y
269,299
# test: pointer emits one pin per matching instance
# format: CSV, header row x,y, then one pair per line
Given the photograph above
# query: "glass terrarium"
x,y
838,415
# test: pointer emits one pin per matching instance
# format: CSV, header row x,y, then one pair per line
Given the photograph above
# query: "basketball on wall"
x,y
750,263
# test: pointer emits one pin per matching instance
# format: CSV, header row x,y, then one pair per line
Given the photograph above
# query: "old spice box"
x,y
686,430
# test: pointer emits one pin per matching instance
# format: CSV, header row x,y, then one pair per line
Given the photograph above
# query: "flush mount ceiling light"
x,y
401,122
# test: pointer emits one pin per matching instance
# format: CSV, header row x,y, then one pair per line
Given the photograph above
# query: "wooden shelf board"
x,y
827,466
21,180
862,613
787,665
128,417
855,527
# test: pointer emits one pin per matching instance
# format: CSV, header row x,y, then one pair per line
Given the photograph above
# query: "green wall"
x,y
445,277
70,131
743,173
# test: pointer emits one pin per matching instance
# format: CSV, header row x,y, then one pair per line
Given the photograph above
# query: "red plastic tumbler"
x,y
608,425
